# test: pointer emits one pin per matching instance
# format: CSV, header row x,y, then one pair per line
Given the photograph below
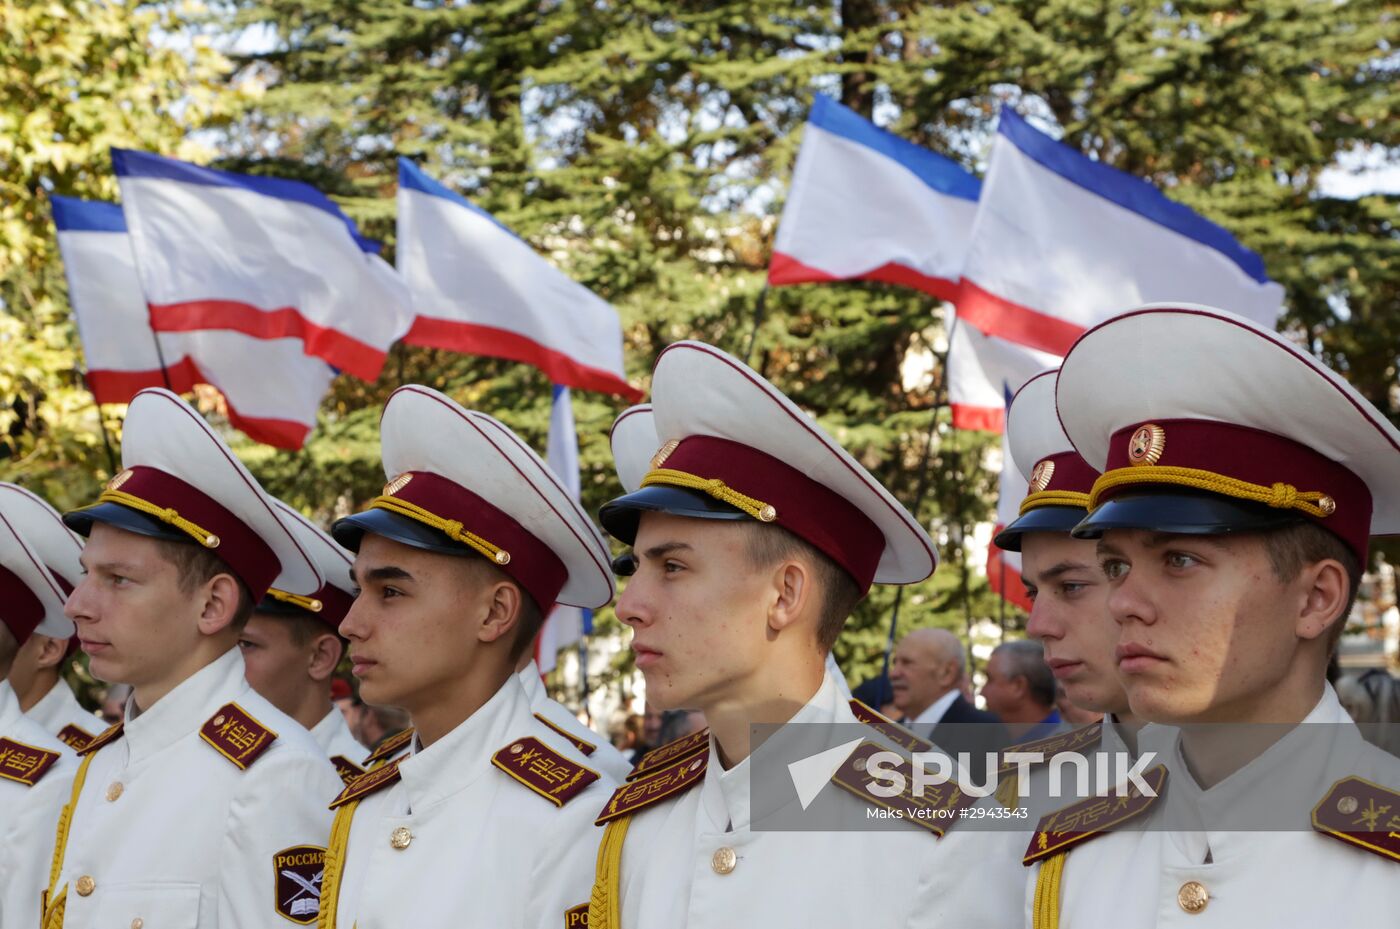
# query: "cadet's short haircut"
x,y
531,616
198,565
1293,548
306,628
768,545
1026,658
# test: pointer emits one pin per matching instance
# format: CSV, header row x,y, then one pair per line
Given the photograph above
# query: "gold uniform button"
x,y
137,923
1193,897
724,860
400,838
114,790
85,885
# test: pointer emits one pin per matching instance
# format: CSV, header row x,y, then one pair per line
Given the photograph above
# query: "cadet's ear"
x,y
222,598
793,589
503,605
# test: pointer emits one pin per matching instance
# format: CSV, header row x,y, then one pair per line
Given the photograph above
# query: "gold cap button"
x,y
400,838
137,923
724,860
114,790
1193,896
85,885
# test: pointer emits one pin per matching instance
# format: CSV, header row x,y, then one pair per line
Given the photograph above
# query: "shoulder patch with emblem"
x,y
543,770
670,753
1082,821
236,735
75,737
935,808
390,747
652,788
889,728
367,783
346,768
1076,740
298,872
1363,814
576,917
106,737
582,745
24,764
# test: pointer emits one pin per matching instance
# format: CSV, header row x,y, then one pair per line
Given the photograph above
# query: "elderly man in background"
x,y
1020,689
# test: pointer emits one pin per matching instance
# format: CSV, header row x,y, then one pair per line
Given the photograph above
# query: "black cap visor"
x,y
621,517
350,530
1184,514
123,517
1059,519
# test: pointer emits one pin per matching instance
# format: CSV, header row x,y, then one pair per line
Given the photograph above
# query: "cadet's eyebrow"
x,y
385,573
1064,567
665,548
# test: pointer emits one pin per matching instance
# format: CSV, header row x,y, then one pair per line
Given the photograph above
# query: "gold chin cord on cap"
x,y
167,515
310,604
1054,498
448,527
1279,496
763,512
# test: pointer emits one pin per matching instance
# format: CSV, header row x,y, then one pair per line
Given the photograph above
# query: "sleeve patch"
x,y
936,807
576,917
582,745
671,752
23,763
75,737
368,783
1363,814
298,872
346,768
543,770
1082,821
236,735
390,747
652,788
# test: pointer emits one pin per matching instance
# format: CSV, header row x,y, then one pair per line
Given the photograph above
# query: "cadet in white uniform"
x,y
600,752
36,771
206,805
981,886
1241,481
753,536
487,820
36,676
291,647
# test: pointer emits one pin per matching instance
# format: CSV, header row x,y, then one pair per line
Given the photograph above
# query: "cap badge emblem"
x,y
1147,444
1040,477
116,482
663,453
397,484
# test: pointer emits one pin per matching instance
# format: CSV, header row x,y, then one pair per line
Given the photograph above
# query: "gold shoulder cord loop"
x,y
716,488
449,527
605,905
1054,498
1045,913
55,900
168,515
334,865
1279,496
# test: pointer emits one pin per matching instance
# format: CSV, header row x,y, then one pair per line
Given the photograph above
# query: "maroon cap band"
x,y
182,505
527,560
22,611
335,603
1242,463
1061,479
806,508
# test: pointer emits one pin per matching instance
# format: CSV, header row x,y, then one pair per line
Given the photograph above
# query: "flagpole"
x,y
160,356
758,312
101,425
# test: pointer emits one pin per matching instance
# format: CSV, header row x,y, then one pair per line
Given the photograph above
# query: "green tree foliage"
x,y
75,79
